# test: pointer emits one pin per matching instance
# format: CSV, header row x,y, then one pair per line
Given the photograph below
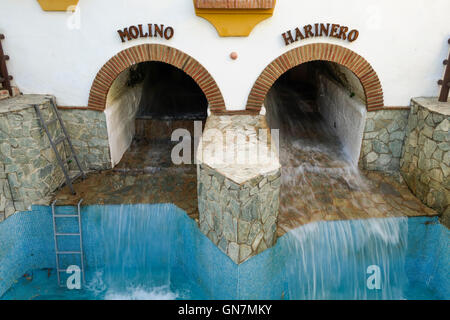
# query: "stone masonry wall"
x,y
28,167
383,137
87,130
29,171
240,219
425,164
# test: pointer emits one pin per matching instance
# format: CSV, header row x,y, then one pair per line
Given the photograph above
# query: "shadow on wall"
x,y
324,89
153,91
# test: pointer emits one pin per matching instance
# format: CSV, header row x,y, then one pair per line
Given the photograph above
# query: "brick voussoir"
x,y
152,52
318,51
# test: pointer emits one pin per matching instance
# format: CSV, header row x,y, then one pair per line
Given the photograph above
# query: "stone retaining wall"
x,y
383,138
87,130
29,171
425,163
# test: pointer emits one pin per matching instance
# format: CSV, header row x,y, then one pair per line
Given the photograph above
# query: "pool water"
x,y
157,252
40,285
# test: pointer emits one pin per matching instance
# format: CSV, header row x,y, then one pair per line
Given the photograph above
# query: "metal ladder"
x,y
55,143
79,234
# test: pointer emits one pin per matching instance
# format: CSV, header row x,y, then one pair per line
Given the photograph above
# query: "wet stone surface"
x,y
145,175
317,184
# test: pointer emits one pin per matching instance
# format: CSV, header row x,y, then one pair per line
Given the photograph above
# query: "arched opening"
x,y
320,109
318,104
154,76
319,52
144,105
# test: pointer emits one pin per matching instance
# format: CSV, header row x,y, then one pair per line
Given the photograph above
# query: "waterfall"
x,y
333,259
338,237
137,247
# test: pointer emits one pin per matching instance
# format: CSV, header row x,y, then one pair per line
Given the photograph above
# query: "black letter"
x,y
124,34
353,35
134,32
287,36
159,30
323,30
166,35
141,33
308,31
298,34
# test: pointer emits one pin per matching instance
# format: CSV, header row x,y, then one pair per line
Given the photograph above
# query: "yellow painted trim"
x,y
234,22
57,5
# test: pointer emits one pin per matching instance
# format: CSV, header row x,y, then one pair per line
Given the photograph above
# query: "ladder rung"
x,y
58,141
67,234
51,122
68,252
66,216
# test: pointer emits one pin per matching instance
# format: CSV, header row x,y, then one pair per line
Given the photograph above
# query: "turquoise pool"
x,y
157,252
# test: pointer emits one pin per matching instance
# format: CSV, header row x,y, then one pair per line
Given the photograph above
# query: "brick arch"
x,y
313,52
153,52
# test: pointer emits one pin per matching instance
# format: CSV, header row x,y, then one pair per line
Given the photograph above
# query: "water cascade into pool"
x,y
337,242
333,258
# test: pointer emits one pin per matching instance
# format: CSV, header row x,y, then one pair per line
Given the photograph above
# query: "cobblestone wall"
x,y
425,163
29,171
28,166
383,138
87,130
240,219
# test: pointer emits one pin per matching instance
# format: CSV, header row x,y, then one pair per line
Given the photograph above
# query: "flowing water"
x,y
340,235
320,182
158,252
136,264
335,259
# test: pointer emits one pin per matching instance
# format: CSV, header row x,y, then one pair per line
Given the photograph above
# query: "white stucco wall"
x,y
404,40
347,115
122,105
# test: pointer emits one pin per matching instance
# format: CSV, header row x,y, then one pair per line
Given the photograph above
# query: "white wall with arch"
x,y
404,41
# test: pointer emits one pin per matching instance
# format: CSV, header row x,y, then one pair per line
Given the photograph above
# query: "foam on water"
x,y
158,293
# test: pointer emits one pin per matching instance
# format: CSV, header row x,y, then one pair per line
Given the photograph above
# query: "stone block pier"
x,y
239,178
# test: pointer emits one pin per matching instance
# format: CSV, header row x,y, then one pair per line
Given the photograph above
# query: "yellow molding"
x,y
234,22
58,5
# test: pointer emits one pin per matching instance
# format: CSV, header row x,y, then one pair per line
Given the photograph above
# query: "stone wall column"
x,y
238,203
425,163
240,219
